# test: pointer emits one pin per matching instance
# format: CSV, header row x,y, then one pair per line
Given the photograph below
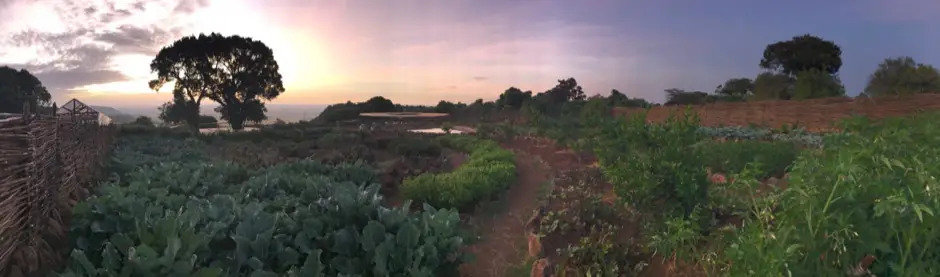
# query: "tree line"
x,y
240,74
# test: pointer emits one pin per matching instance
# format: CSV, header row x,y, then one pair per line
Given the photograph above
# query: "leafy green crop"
x,y
732,156
490,169
871,191
192,217
651,162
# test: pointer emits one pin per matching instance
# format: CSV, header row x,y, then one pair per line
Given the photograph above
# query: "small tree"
x,y
902,76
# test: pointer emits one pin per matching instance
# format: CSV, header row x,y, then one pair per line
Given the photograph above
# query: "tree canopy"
x,y
143,121
566,90
815,83
740,87
902,76
513,98
769,85
618,99
236,72
18,87
802,53
378,104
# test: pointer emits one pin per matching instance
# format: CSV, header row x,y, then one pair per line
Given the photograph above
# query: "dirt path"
x,y
503,241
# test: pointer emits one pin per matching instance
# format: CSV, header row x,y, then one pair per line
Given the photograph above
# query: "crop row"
x,y
489,170
169,210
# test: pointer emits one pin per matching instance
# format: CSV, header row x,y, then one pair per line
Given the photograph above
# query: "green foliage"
x,y
647,162
802,53
566,90
411,146
236,72
769,86
18,87
350,110
681,97
513,98
618,99
816,83
143,121
871,191
173,213
179,110
489,170
733,156
796,135
448,107
208,121
902,76
741,87
378,104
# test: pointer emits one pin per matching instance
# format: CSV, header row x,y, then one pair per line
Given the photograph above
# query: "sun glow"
x,y
301,57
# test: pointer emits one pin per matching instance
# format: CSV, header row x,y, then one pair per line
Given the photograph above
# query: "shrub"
x,y
490,169
648,162
411,147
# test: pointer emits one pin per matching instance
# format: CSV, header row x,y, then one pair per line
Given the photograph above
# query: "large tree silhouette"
x,y
236,72
802,53
18,87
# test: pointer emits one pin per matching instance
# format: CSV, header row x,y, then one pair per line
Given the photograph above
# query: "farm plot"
x,y
170,210
858,202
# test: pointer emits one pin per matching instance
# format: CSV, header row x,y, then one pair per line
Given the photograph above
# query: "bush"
x,y
731,157
208,121
650,162
490,169
412,147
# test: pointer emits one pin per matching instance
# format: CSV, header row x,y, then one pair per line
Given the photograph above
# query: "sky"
x,y
424,51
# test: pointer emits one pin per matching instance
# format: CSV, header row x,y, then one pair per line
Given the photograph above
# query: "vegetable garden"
x,y
633,199
733,201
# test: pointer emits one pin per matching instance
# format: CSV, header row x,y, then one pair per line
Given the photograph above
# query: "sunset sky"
x,y
420,52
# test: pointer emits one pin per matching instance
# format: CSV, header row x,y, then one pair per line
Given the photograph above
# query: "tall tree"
x,y
769,85
802,53
902,76
19,87
815,83
236,72
513,98
740,87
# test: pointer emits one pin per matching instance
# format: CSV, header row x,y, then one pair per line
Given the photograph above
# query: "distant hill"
x,y
116,116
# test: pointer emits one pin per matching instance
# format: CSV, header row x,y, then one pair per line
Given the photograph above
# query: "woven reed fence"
x,y
47,164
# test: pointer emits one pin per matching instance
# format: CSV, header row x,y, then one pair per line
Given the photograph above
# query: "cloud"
x,y
480,78
73,43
